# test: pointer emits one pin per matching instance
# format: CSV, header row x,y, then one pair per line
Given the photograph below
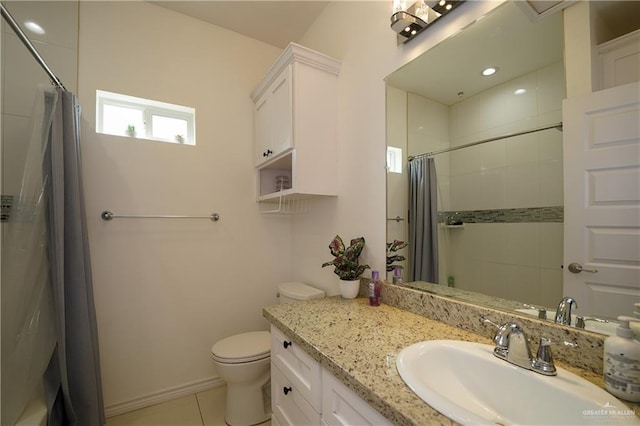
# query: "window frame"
x,y
149,108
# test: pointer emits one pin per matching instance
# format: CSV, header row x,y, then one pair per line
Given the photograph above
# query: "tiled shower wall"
x,y
511,179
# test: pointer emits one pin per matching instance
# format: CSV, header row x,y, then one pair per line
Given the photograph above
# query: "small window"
x,y
129,116
394,159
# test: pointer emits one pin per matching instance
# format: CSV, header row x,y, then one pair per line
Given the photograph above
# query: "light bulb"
x,y
33,27
489,71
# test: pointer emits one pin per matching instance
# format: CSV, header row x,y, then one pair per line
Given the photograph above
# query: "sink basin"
x,y
608,328
467,383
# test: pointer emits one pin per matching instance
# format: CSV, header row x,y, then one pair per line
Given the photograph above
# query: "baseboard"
x,y
162,396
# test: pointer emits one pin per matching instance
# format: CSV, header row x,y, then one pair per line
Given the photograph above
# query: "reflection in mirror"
x,y
497,229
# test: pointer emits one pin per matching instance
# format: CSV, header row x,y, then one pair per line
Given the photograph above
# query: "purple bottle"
x,y
375,289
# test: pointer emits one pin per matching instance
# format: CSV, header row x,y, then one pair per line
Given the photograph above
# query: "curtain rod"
x,y
30,47
557,126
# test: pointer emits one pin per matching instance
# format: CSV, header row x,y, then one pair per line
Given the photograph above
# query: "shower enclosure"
x,y
50,368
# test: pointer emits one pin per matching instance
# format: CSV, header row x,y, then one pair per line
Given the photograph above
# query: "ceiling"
x,y
273,22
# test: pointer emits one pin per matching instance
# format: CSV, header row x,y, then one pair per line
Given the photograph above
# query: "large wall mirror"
x,y
486,210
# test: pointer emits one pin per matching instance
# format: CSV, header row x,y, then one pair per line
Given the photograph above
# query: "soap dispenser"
x,y
622,362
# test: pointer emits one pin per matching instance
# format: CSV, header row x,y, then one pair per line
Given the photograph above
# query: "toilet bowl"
x,y
243,362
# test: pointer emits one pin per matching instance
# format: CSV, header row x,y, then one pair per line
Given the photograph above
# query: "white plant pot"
x,y
349,289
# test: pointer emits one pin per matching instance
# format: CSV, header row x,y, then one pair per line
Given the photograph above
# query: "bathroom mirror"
x,y
499,221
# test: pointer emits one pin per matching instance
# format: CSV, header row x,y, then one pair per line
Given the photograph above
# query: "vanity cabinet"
x,y
295,116
304,393
342,406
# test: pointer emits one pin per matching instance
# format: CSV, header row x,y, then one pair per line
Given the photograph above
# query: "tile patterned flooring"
x,y
201,409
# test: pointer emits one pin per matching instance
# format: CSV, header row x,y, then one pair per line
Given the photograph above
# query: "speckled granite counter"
x,y
358,344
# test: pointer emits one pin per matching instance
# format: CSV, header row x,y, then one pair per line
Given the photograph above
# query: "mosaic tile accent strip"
x,y
6,202
522,215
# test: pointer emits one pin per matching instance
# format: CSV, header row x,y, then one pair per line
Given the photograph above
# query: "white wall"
x,y
166,290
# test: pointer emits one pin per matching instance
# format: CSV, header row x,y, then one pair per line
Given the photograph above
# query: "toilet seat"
x,y
241,348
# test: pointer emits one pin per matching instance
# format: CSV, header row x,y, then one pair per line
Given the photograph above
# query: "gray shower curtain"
x,y
76,383
423,220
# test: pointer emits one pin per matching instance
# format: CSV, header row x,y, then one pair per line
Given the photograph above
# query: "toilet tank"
x,y
294,291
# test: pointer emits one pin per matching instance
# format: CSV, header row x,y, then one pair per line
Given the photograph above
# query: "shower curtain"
x,y
77,350
28,331
423,220
49,334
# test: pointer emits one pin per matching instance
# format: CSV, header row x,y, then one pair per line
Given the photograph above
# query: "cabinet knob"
x,y
286,390
286,344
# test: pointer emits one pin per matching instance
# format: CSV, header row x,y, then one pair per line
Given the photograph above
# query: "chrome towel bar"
x,y
397,218
107,215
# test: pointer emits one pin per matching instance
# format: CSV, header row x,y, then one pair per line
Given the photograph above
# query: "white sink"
x,y
467,383
608,328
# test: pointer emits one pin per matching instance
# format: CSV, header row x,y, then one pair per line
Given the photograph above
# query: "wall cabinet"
x,y
302,392
295,116
620,60
273,115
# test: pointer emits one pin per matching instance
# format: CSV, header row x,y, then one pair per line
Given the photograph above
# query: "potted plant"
x,y
346,265
131,130
392,248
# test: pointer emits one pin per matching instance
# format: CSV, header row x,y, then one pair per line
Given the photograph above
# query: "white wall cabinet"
x,y
273,115
620,60
302,392
295,118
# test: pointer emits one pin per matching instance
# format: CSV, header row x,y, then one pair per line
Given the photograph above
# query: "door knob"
x,y
576,268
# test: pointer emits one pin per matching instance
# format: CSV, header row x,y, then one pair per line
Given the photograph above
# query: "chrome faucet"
x,y
563,313
512,345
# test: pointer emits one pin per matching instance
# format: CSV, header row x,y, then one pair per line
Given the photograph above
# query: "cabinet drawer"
x,y
342,406
304,372
288,405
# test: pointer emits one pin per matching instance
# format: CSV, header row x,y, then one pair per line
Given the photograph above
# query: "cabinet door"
x,y
304,372
261,129
280,94
342,406
288,404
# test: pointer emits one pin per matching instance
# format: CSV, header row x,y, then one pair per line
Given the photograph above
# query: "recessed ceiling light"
x,y
489,71
442,2
520,91
33,27
448,6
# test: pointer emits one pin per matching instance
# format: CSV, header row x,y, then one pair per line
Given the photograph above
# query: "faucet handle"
x,y
542,311
580,320
544,359
501,336
543,363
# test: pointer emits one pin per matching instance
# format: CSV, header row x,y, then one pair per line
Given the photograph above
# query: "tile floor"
x,y
201,409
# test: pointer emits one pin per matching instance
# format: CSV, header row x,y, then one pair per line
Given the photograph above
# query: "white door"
x,y
602,200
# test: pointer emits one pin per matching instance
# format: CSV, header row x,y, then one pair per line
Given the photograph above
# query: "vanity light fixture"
x,y
410,19
489,71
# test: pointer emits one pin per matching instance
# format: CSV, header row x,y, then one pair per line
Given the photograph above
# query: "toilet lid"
x,y
244,347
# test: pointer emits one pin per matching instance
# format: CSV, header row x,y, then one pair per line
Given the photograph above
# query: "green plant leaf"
x,y
336,247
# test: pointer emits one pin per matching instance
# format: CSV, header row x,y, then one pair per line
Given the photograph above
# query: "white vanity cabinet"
x,y
295,116
304,393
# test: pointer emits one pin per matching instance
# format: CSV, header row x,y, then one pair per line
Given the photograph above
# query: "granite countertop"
x,y
359,343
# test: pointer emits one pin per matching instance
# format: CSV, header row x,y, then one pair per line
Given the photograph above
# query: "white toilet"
x,y
243,362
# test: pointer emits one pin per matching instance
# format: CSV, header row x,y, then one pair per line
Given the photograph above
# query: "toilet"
x,y
243,362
